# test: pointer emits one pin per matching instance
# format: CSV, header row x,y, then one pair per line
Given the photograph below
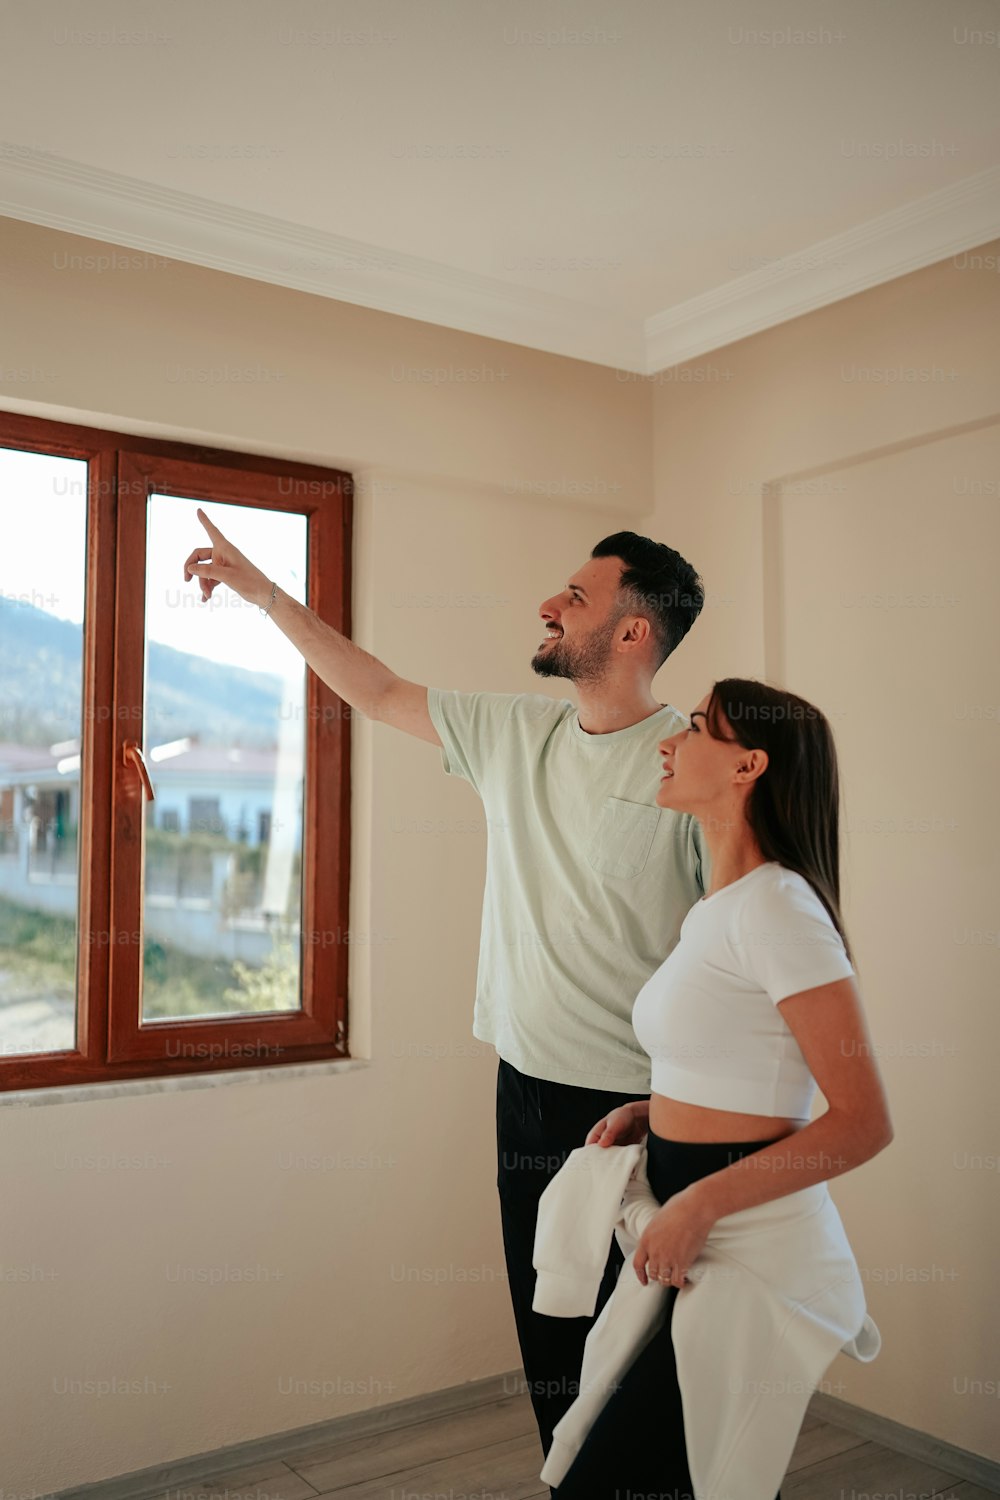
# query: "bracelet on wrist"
x,y
274,591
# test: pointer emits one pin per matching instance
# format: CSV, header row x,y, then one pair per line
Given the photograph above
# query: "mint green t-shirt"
x,y
587,880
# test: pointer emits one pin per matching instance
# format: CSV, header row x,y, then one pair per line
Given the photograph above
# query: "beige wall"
x,y
837,480
392,1274
391,1269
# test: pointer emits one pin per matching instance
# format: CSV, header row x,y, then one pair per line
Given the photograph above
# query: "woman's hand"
x,y
627,1125
672,1241
224,563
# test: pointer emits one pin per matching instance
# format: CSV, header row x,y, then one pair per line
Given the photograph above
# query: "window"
x,y
145,739
205,816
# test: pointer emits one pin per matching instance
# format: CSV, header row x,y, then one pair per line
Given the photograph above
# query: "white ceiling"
x,y
631,183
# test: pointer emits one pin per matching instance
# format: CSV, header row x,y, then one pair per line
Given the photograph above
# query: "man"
x,y
588,880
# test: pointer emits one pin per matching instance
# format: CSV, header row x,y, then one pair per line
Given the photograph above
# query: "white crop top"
x,y
709,1016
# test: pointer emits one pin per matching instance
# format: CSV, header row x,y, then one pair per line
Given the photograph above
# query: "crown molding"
x,y
905,239
43,188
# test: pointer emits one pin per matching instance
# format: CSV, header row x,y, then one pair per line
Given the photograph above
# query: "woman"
x,y
755,1006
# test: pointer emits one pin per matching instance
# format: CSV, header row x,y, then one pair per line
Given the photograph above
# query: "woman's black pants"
x,y
636,1446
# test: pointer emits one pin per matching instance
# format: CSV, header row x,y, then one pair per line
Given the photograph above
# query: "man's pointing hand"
x,y
224,563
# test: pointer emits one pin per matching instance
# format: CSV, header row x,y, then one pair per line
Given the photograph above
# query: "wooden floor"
x,y
493,1453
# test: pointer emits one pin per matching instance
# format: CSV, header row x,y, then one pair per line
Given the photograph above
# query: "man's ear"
x,y
638,629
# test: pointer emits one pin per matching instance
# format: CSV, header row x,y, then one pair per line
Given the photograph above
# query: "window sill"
x,y
129,1087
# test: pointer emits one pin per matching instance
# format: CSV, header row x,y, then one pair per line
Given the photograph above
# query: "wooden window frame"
x,y
112,1040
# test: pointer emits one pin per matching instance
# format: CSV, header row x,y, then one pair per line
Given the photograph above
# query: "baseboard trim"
x,y
149,1484
908,1440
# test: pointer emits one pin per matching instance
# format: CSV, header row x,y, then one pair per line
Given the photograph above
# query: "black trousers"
x,y
538,1124
637,1442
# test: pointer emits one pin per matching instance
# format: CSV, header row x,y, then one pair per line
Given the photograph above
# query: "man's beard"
x,y
587,661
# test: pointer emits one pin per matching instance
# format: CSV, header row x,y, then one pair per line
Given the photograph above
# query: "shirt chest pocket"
x,y
623,837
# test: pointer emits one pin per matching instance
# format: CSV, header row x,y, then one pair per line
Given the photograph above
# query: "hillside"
x,y
40,688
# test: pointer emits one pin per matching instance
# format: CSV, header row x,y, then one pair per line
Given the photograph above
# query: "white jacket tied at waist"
x,y
774,1295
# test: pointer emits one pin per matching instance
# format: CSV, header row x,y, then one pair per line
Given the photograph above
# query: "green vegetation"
x,y
41,949
36,946
274,986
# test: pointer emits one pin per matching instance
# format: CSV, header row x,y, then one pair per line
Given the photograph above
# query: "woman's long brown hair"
x,y
794,807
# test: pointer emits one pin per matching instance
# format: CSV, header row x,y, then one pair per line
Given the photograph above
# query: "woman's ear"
x,y
751,765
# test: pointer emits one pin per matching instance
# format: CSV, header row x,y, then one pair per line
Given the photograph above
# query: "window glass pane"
x,y
224,743
42,578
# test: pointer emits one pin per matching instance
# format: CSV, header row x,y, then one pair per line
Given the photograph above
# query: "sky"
x,y
43,502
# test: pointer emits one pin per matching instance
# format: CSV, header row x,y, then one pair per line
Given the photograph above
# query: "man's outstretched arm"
x,y
363,681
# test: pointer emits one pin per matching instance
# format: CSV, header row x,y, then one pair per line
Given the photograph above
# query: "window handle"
x,y
131,753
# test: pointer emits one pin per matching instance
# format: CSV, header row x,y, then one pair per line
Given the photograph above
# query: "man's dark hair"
x,y
658,583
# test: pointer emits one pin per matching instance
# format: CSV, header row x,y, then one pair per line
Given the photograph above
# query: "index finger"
x,y
210,526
